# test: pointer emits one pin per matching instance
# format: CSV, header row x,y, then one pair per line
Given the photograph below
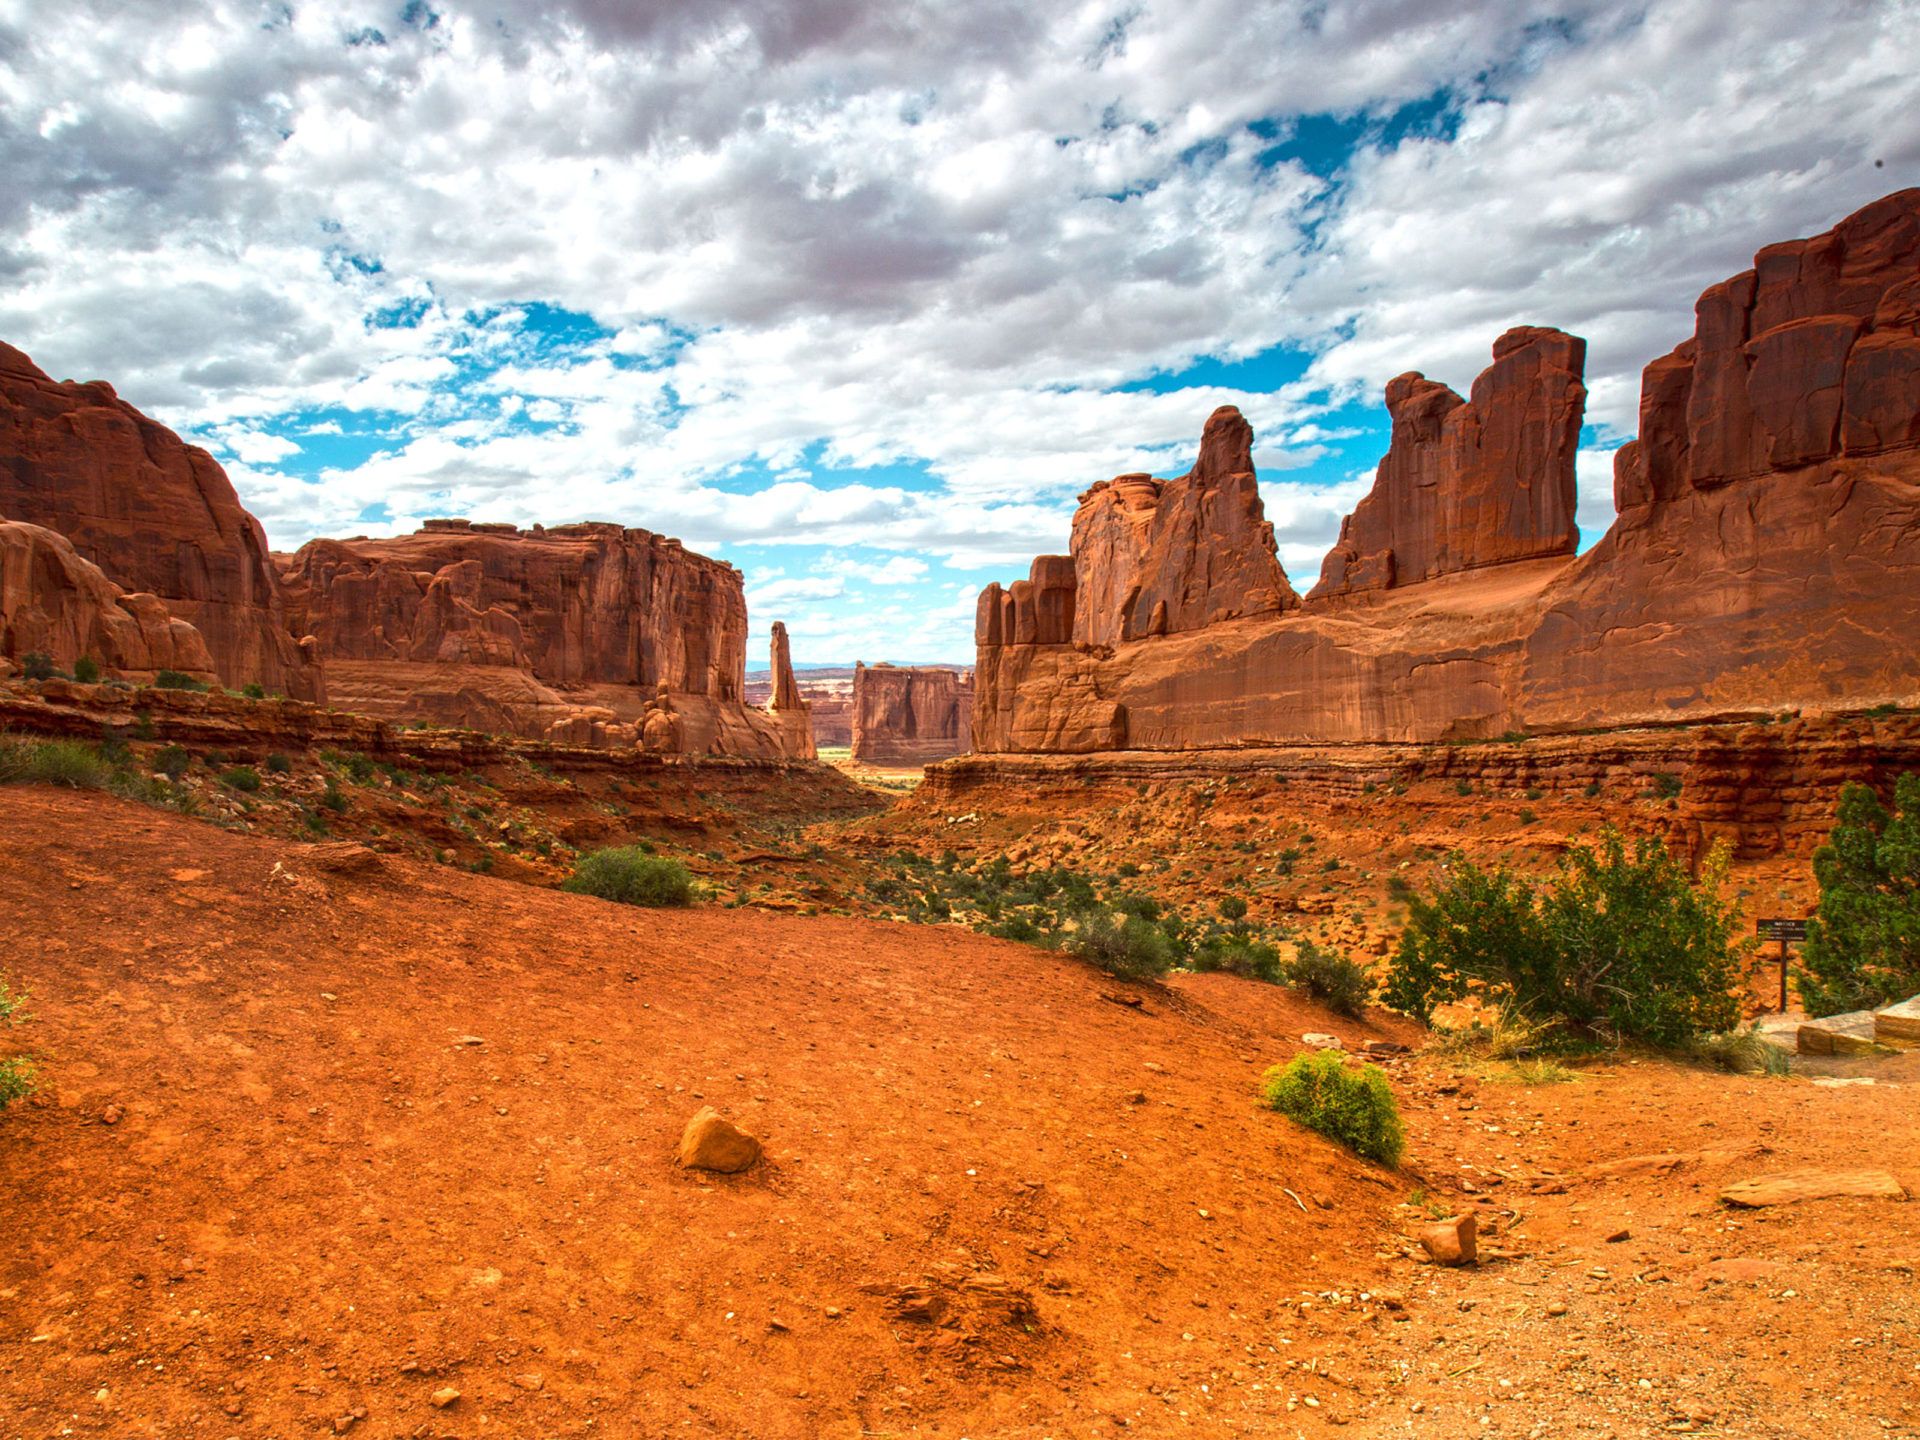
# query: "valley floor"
x,y
325,1137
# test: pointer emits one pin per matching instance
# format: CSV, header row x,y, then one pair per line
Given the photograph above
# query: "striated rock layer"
x,y
156,515
584,634
55,603
1766,556
910,715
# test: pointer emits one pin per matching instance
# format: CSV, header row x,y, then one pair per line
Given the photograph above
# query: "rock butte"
x,y
156,516
577,634
910,714
1765,557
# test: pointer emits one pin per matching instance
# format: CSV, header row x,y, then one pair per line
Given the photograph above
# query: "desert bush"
x,y
35,665
72,763
172,761
174,680
1356,1108
241,777
332,799
86,670
629,876
1620,942
1863,943
1233,909
1239,955
1506,1034
254,691
1340,984
278,764
1743,1052
1665,786
16,1074
1129,947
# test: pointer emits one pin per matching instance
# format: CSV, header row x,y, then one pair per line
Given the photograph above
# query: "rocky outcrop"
x,y
55,603
910,715
157,516
787,706
1766,557
578,627
1469,483
1158,557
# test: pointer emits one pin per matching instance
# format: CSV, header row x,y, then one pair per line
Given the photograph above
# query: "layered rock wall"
x,y
910,715
1470,483
157,516
575,632
1766,557
55,603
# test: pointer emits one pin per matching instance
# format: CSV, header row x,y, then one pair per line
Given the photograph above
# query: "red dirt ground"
x,y
323,1133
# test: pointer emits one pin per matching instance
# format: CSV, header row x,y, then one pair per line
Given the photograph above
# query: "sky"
x,y
859,295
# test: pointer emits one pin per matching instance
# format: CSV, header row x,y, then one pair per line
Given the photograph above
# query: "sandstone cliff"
x,y
1766,557
793,713
576,633
156,515
910,715
55,603
1471,483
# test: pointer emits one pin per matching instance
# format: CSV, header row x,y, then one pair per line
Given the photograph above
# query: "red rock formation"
x,y
59,605
1471,483
786,705
1157,557
576,626
1766,557
156,515
910,715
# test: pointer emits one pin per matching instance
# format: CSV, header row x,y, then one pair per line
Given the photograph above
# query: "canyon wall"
x,y
1766,557
54,602
583,634
910,715
156,516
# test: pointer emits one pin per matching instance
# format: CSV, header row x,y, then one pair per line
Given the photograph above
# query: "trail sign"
x,y
1788,932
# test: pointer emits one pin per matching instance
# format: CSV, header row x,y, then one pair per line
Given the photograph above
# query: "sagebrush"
x,y
1355,1108
629,876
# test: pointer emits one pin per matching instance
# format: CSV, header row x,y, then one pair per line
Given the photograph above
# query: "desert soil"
x,y
336,1142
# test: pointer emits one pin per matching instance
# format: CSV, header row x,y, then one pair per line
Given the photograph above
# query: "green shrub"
x,y
241,777
1592,789
35,665
628,876
332,798
1233,909
1343,986
1239,955
1863,943
86,670
278,764
255,691
1131,948
1618,942
1356,1108
72,763
16,1075
172,761
1744,1052
1666,786
174,680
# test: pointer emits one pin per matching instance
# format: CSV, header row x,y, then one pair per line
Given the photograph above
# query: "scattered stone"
x,y
112,1115
444,1397
1321,1041
1898,1024
1791,1186
1453,1242
712,1142
1614,1237
1557,1307
1849,1034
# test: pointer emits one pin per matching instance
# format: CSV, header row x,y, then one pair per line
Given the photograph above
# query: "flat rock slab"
x,y
1898,1024
1791,1186
1849,1034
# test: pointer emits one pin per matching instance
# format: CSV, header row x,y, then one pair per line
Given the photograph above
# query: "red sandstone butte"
x,y
1765,559
569,633
910,715
1468,483
1157,557
156,515
58,604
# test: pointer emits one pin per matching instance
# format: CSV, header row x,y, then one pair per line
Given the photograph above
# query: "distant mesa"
x,y
910,714
1765,557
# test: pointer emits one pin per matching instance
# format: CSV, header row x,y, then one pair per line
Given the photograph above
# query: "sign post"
x,y
1785,931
